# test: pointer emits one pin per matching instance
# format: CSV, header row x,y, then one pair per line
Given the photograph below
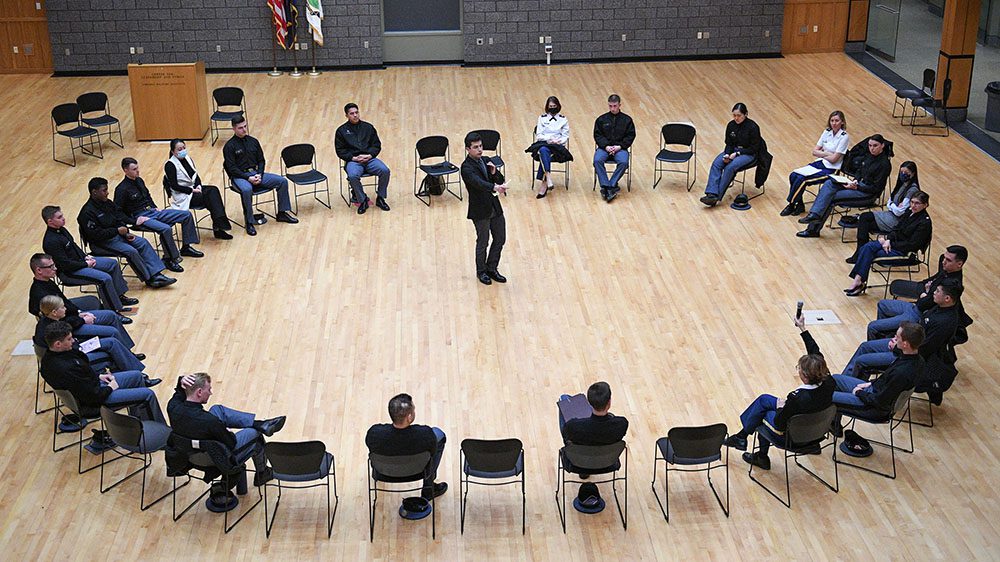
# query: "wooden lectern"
x,y
169,100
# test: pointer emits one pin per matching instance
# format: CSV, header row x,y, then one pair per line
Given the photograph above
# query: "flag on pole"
x,y
314,15
284,14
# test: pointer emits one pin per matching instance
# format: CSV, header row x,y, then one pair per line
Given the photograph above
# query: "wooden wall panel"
x,y
814,26
6,53
26,27
857,24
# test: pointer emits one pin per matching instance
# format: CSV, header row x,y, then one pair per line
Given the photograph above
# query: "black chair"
x,y
690,446
902,96
803,436
552,170
673,134
396,469
591,460
255,202
41,387
435,147
304,155
842,208
901,407
628,171
741,178
910,264
94,102
226,101
936,106
67,123
139,439
307,461
199,212
215,459
65,403
491,143
491,460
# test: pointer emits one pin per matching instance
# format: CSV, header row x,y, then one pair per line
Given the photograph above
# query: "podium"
x,y
169,100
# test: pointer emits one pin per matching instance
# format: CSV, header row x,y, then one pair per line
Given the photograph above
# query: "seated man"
x,y
189,419
105,227
133,198
878,397
66,368
403,437
770,414
892,311
111,353
871,173
939,324
601,428
73,262
614,133
357,144
102,323
244,164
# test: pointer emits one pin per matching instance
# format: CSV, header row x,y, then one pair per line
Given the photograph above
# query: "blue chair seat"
x,y
256,190
225,115
441,169
78,132
307,177
155,437
518,469
674,156
900,261
324,470
667,450
100,121
910,94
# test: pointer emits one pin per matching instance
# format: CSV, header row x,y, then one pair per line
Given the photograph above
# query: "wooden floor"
x,y
684,310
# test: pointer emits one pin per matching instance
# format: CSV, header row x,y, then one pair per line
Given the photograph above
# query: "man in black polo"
x,y
244,164
403,437
357,144
614,133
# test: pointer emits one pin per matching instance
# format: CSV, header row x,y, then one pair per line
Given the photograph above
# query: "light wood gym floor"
x,y
685,311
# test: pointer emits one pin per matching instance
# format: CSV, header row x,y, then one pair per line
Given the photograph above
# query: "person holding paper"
x,y
830,150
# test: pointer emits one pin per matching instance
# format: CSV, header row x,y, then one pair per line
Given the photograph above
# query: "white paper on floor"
x,y
23,347
817,317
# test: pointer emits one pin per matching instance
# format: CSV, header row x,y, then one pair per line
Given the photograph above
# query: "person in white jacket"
x,y
552,129
182,182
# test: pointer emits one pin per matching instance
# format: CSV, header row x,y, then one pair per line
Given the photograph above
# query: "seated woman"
x,y
911,234
742,144
110,354
551,138
770,414
899,202
830,149
186,189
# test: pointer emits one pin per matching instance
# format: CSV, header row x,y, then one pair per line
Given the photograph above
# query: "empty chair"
x,y
96,113
435,147
672,136
299,463
491,143
66,123
397,469
936,106
501,459
909,94
691,446
139,439
300,155
228,102
591,460
901,407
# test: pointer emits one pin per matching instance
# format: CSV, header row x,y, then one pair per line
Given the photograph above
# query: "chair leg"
x,y
225,519
371,509
666,484
787,503
39,390
561,507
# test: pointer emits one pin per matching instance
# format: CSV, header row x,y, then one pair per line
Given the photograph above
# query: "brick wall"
x,y
98,33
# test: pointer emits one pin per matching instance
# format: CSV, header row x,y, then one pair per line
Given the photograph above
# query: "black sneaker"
x,y
262,477
761,462
439,489
709,200
736,442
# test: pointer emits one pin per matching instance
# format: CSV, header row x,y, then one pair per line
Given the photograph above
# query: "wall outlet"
x,y
623,37
491,40
815,29
479,40
218,48
708,34
29,49
139,50
305,46
366,44
767,33
67,52
131,50
804,29
541,39
15,49
699,35
38,6
548,39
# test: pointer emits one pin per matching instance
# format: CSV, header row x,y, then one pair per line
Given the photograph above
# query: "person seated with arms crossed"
x,y
189,419
133,198
183,185
102,323
899,202
551,137
357,144
830,149
110,353
65,367
243,159
614,133
939,324
871,173
402,437
913,233
770,414
76,264
105,227
743,143
892,311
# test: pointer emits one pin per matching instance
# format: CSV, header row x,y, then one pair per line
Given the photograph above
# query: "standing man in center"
x,y
357,144
485,185
614,133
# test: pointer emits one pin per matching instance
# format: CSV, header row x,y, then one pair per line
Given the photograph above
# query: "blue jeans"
x,y
722,174
873,354
833,192
866,257
114,355
431,473
132,392
140,255
108,277
545,162
764,408
373,167
161,221
249,442
268,182
107,324
796,180
891,313
600,157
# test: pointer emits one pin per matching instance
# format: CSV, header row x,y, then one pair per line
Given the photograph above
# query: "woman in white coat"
x,y
182,182
551,139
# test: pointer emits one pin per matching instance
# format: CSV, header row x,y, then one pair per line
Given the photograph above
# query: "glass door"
x,y
883,27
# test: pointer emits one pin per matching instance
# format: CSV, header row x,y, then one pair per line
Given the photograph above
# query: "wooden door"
x,y
25,34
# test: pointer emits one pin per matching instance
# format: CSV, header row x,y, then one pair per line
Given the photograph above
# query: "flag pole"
x,y
295,60
313,72
274,60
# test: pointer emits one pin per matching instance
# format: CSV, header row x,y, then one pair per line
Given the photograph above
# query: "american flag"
x,y
284,15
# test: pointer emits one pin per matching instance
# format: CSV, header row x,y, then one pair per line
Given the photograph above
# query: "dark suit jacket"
x,y
67,255
482,203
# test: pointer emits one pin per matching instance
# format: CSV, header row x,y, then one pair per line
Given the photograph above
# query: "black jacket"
x,y
41,289
243,157
67,255
610,130
871,172
71,370
743,138
191,420
384,439
912,233
133,197
940,325
926,302
352,140
902,375
39,338
99,220
763,169
595,430
559,152
806,399
483,202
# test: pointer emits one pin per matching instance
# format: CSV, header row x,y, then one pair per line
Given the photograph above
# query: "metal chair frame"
x,y
691,162
219,116
58,397
552,170
708,472
254,200
465,480
418,159
926,89
936,105
909,264
628,171
226,479
902,403
83,133
373,491
561,482
285,165
102,104
330,515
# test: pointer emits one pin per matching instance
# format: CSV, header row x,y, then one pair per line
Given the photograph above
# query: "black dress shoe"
x,y
612,193
788,210
484,278
125,320
159,281
852,260
285,216
222,235
128,301
174,266
140,356
271,426
439,489
381,204
251,230
757,460
860,290
604,193
191,252
150,383
262,477
807,233
364,206
495,275
736,442
811,217
709,200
